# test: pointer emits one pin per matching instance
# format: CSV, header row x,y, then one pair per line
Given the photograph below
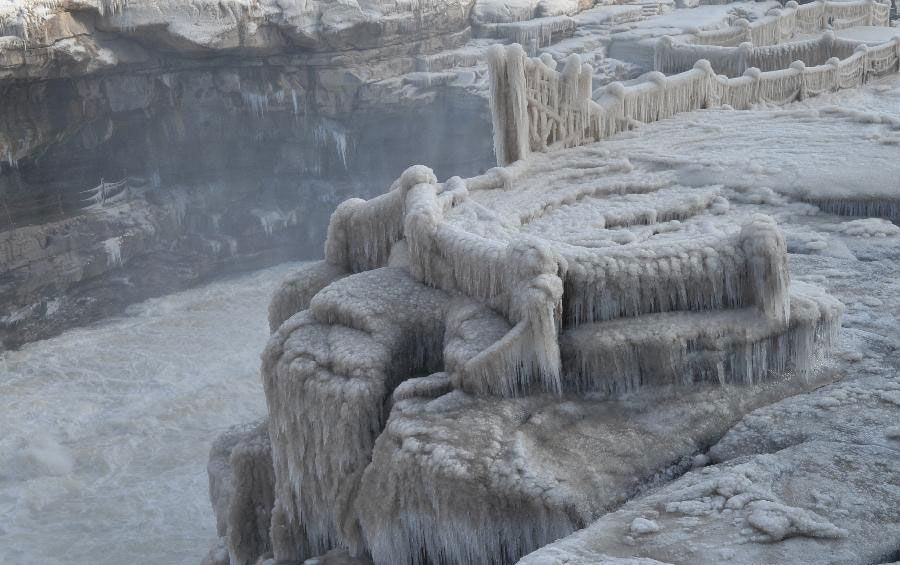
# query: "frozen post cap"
x,y
798,66
834,62
616,89
752,72
703,65
572,65
656,77
548,60
417,174
792,4
741,22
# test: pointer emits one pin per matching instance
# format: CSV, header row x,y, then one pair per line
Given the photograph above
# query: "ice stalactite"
x,y
740,346
861,207
110,7
330,132
509,107
453,513
258,103
113,248
444,60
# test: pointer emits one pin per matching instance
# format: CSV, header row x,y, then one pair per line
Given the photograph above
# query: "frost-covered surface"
x,y
819,502
106,428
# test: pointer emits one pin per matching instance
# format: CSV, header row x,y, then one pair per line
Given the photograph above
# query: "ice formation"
x,y
556,277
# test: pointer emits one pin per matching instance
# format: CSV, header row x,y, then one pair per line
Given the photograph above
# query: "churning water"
x,y
105,431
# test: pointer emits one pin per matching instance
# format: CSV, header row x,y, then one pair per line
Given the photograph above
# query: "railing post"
x,y
509,103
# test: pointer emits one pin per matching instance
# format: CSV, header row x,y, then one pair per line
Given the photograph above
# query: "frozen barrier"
x,y
767,43
781,25
673,57
535,107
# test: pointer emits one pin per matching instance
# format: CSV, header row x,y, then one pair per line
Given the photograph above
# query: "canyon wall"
x,y
149,146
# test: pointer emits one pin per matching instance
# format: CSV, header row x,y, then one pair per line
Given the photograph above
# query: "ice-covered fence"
x,y
765,43
781,25
674,57
535,107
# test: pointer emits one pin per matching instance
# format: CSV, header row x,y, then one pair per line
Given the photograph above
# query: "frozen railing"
x,y
781,25
764,43
673,57
520,280
535,108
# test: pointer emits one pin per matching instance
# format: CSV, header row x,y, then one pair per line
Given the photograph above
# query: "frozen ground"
x,y
106,429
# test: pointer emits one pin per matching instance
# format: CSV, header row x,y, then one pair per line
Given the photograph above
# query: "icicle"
x,y
730,346
258,103
113,247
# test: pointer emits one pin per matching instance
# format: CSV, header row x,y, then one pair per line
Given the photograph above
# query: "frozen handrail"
x,y
780,25
536,108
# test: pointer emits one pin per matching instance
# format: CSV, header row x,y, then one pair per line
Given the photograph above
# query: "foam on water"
x,y
106,430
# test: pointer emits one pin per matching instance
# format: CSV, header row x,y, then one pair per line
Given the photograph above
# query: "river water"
x,y
105,430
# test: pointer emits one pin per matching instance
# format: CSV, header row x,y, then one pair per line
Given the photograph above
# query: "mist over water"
x,y
105,430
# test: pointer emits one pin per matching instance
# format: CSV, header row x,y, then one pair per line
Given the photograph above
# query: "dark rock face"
x,y
132,167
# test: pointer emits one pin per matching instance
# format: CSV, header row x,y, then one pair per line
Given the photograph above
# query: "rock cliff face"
x,y
148,146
